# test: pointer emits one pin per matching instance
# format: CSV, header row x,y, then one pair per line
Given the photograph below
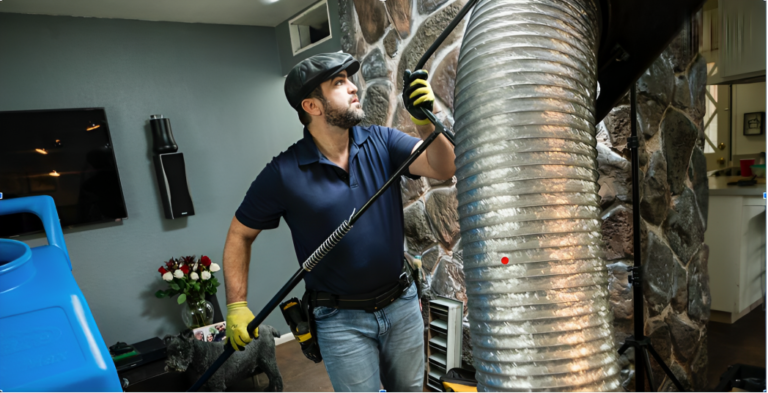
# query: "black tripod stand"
x,y
638,341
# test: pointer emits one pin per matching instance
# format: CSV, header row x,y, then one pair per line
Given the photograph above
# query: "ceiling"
x,y
228,12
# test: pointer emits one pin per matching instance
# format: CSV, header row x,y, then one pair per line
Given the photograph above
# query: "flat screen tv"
x,y
64,153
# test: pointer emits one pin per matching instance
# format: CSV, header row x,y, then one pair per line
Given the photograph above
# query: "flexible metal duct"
x,y
527,184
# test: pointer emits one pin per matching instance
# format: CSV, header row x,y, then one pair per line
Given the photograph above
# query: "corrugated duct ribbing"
x,y
527,183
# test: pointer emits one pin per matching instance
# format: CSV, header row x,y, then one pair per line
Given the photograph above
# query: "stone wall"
x,y
674,188
673,208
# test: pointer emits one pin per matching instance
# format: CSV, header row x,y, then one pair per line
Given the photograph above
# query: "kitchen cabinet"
x,y
736,238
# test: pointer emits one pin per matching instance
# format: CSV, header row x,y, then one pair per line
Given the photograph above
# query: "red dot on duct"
x,y
505,260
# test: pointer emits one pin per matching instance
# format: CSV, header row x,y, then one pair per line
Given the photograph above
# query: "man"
x,y
315,185
221,333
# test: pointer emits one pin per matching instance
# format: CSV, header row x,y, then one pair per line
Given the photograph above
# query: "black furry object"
x,y
193,357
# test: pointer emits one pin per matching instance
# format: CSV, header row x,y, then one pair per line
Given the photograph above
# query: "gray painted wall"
x,y
287,59
222,88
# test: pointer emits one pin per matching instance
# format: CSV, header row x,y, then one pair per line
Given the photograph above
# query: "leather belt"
x,y
369,302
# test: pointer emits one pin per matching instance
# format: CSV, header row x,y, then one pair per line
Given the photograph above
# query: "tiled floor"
x,y
742,342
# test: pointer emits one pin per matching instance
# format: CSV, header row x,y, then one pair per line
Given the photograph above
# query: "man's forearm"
x,y
440,153
237,258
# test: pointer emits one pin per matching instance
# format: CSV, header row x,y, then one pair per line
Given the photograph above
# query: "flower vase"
x,y
198,313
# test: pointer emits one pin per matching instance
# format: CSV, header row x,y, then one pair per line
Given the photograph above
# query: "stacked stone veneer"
x,y
674,194
674,203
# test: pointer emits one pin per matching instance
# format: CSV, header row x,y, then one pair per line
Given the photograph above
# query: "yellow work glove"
x,y
238,318
417,94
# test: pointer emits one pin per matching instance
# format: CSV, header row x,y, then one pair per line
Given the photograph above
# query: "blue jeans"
x,y
363,351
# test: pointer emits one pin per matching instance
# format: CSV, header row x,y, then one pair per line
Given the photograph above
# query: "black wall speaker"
x,y
170,171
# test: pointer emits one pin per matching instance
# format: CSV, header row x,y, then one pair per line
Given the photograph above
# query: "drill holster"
x,y
300,318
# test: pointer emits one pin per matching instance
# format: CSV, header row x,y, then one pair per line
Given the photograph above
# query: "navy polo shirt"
x,y
314,196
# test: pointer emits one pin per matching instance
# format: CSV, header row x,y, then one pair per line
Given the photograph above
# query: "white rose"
x,y
215,267
178,274
193,276
168,276
205,275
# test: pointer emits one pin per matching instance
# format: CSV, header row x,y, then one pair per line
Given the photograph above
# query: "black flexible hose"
x,y
431,50
444,34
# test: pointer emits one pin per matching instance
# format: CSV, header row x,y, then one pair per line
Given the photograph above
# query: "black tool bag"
x,y
459,380
300,318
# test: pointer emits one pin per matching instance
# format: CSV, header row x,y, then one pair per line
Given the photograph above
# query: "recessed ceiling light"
x,y
55,174
41,151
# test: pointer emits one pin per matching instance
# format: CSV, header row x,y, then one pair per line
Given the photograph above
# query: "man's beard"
x,y
346,118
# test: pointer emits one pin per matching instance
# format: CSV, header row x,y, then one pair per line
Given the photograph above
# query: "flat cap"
x,y
313,71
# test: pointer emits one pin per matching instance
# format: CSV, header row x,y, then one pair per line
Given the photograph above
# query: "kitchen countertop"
x,y
718,187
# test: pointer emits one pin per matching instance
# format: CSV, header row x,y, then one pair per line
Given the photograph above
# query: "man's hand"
x,y
437,163
417,94
238,318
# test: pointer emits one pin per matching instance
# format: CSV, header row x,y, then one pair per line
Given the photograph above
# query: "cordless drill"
x,y
297,318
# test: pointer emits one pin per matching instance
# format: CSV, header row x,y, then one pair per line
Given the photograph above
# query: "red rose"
x,y
162,270
205,261
185,269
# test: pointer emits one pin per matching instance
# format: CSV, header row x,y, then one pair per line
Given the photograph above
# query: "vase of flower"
x,y
192,279
197,313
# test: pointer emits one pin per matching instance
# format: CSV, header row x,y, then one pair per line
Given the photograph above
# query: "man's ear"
x,y
312,106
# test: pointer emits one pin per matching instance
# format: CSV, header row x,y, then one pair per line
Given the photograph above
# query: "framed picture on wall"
x,y
754,123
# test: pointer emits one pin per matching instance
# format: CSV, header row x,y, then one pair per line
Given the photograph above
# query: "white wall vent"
x,y
444,336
